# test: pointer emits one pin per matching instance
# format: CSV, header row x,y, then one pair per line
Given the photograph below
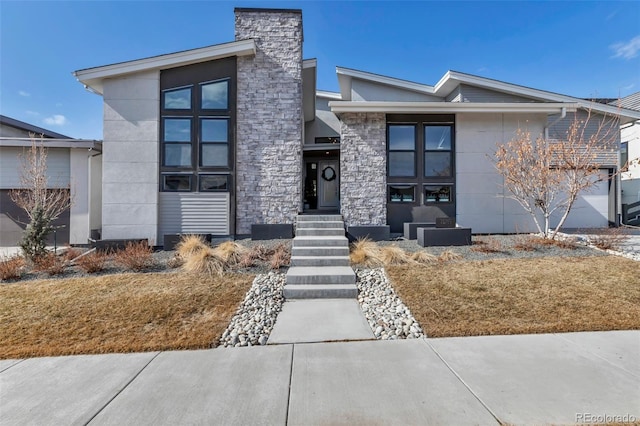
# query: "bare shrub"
x,y
564,243
70,253
49,263
93,262
175,262
11,268
423,257
281,256
490,245
609,239
448,255
526,243
136,256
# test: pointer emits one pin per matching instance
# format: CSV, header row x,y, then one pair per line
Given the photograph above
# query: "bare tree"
x,y
545,177
41,203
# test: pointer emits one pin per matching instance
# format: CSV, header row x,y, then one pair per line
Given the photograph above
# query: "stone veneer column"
x,y
269,118
363,168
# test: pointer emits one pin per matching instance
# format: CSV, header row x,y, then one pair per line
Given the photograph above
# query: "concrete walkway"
x,y
527,379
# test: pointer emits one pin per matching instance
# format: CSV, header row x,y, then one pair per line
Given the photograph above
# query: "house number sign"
x,y
328,174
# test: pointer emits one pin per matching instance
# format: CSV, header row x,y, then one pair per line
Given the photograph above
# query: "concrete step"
x,y
321,224
326,291
320,241
321,275
320,232
319,218
319,251
320,261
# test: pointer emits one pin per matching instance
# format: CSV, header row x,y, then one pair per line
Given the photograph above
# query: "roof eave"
x,y
93,77
450,107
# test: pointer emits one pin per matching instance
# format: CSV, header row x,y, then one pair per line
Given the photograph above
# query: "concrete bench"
x,y
432,237
410,228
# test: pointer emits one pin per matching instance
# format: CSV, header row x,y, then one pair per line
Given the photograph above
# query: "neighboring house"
x,y
217,139
70,163
630,156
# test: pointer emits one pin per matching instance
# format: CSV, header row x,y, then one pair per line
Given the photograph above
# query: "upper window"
x,y
215,95
624,155
177,98
437,153
402,150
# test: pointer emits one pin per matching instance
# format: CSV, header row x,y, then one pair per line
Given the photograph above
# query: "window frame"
x,y
425,151
414,151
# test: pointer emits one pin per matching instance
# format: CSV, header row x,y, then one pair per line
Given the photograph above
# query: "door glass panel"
x,y
215,95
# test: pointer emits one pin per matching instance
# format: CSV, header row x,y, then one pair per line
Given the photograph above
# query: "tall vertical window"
x,y
402,150
196,130
624,155
437,151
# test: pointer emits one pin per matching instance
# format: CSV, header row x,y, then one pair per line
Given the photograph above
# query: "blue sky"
x,y
582,49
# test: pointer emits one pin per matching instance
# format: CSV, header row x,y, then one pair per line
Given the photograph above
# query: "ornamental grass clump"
x,y
190,244
424,257
448,256
394,255
365,252
204,262
230,253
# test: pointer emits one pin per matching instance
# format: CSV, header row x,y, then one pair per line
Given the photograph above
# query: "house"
x,y
71,163
221,138
630,156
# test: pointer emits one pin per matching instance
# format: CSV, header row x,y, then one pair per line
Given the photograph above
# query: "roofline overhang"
x,y
324,94
452,79
450,107
53,143
93,77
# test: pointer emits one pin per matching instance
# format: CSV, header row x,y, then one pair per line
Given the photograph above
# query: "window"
x,y
437,194
402,150
420,161
402,193
624,155
437,154
197,106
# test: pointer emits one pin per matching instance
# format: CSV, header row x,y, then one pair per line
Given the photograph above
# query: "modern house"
x,y
630,156
71,163
220,138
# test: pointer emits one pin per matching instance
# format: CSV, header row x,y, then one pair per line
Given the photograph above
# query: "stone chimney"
x,y
269,118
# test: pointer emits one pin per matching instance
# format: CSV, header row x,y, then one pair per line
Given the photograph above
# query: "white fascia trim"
x,y
531,93
450,107
389,81
53,143
309,63
328,95
171,60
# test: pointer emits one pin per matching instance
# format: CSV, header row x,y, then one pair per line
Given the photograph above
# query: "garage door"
x,y
591,209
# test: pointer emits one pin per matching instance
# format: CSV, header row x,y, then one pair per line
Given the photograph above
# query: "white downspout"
x,y
563,114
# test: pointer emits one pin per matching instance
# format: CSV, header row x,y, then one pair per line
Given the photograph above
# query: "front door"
x,y
328,184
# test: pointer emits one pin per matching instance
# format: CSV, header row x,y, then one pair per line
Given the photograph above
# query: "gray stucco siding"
x,y
130,157
369,91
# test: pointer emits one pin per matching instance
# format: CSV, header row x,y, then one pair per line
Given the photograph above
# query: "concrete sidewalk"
x,y
527,379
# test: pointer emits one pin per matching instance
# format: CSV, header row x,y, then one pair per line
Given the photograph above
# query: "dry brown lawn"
x,y
117,313
517,296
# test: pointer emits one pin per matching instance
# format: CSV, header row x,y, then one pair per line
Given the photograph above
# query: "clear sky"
x,y
582,49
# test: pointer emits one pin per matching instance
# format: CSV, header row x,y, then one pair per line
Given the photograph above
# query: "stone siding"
x,y
363,169
269,119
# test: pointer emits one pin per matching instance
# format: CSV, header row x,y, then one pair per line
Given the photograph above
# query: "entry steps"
x,y
320,260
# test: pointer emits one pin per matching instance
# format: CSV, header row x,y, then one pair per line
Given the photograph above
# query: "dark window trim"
x,y
229,182
218,80
452,196
173,89
164,175
414,151
412,185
